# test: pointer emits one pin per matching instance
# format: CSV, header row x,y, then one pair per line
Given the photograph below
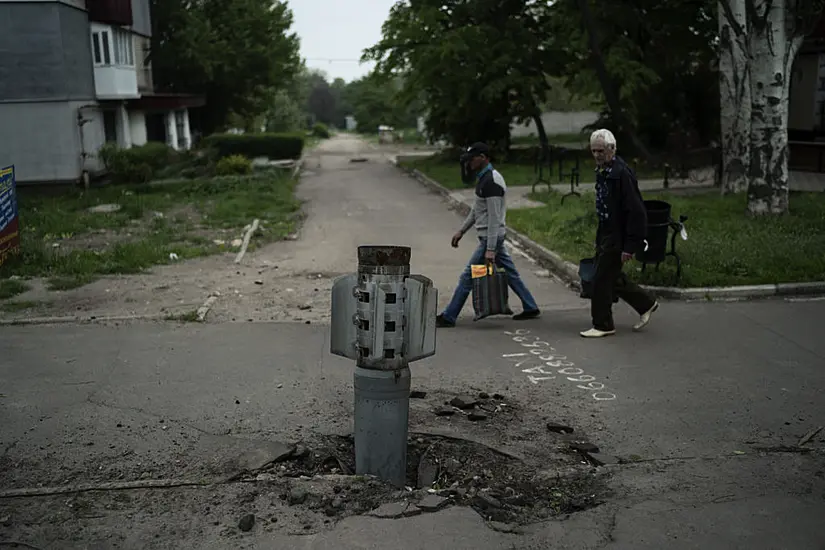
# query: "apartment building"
x,y
74,75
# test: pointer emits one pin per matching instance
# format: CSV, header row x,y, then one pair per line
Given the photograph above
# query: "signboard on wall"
x,y
9,220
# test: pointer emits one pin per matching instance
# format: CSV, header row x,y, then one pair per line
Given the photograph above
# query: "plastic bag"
x,y
490,292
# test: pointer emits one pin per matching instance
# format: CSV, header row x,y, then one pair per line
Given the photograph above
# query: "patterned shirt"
x,y
602,194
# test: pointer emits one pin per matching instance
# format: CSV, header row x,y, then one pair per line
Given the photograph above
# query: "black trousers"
x,y
610,281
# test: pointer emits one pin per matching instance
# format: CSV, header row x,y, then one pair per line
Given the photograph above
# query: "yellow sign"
x,y
481,270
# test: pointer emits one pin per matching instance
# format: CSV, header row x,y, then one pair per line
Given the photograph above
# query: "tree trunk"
x,y
734,95
544,143
610,94
772,53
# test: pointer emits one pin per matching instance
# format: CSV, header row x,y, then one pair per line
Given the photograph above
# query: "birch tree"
x,y
734,95
772,31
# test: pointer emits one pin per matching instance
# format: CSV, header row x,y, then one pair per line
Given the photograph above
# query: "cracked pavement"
x,y
708,406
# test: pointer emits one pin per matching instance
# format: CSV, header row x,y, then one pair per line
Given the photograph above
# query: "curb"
x,y
79,320
569,273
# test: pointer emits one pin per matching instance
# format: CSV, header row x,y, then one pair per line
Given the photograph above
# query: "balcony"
x,y
114,62
112,12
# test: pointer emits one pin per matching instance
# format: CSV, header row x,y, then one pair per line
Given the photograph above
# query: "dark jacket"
x,y
622,214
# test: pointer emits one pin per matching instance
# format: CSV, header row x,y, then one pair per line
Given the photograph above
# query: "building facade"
x,y
75,75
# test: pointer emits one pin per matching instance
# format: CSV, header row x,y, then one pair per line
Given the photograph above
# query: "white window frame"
x,y
113,47
102,48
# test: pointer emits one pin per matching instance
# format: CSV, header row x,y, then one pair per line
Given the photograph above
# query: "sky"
x,y
334,33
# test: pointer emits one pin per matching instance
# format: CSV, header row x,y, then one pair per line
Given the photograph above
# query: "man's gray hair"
x,y
604,135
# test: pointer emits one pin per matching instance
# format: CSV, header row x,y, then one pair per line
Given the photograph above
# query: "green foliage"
x,y
233,165
284,114
272,146
725,245
320,130
9,288
477,64
376,101
136,164
659,56
235,52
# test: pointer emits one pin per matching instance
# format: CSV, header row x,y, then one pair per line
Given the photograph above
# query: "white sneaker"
x,y
596,333
645,318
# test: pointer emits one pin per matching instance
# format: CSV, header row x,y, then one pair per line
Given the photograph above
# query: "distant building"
x,y
76,76
352,124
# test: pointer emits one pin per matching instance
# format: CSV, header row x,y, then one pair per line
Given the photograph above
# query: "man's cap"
x,y
478,148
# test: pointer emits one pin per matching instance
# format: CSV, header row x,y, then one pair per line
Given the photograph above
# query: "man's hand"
x,y
626,257
456,239
490,256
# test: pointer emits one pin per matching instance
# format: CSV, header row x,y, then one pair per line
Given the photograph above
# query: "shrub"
x,y
320,130
272,146
233,165
137,164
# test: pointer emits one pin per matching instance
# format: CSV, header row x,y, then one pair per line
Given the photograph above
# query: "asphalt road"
x,y
705,408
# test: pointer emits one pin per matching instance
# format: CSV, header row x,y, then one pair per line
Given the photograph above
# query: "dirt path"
x,y
347,204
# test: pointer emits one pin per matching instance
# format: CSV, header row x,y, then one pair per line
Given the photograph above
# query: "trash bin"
x,y
658,224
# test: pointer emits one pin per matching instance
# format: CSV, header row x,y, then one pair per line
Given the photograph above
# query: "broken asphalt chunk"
x,y
391,510
463,402
559,428
264,454
584,447
600,459
444,411
477,416
247,522
432,503
416,394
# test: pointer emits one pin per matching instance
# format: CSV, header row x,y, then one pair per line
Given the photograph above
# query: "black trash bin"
x,y
658,224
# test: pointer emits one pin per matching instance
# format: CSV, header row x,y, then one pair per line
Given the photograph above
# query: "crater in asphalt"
x,y
498,486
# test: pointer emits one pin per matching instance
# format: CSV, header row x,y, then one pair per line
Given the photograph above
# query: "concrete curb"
x,y
569,273
80,320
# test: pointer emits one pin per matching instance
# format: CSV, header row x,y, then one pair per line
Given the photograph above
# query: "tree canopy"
x,y
236,52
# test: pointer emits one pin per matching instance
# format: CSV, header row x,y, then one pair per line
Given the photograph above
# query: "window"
x,y
100,48
113,46
124,48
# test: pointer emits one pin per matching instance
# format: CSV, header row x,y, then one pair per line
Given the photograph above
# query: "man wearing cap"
x,y
488,216
620,234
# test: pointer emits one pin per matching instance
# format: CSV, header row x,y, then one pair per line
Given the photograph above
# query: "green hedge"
x,y
136,164
272,146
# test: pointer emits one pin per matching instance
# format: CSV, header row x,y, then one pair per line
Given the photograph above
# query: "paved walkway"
x,y
705,408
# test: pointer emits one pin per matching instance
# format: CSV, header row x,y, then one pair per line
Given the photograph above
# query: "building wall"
x,y
556,122
804,83
141,17
45,144
45,52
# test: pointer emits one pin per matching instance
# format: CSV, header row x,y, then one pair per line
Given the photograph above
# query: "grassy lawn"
x,y
724,246
516,173
71,246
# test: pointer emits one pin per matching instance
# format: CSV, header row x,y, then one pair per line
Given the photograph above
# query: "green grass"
x,y
725,246
18,305
138,238
186,317
9,288
519,172
554,139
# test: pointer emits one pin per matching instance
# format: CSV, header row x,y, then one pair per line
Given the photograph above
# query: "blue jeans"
x,y
465,281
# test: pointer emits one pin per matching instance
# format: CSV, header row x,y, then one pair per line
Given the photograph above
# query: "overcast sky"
x,y
335,32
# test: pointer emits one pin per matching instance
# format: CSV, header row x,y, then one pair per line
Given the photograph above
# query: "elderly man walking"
x,y
621,234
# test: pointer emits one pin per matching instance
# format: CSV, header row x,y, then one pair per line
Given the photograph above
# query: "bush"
x,y
233,165
272,146
137,164
320,130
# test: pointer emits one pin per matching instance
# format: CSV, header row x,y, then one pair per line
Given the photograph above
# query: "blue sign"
x,y
9,220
